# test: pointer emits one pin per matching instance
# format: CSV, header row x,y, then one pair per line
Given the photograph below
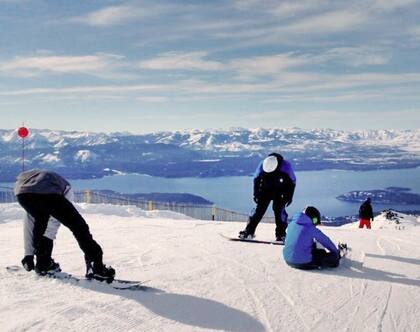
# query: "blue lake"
x,y
318,188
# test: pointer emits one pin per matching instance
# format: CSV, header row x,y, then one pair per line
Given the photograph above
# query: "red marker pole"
x,y
23,133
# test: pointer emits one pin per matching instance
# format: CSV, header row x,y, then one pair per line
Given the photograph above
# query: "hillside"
x,y
206,153
198,281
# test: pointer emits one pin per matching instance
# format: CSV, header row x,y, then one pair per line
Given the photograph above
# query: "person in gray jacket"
x,y
42,194
49,236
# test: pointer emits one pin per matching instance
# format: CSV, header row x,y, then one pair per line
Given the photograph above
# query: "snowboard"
x,y
278,243
115,284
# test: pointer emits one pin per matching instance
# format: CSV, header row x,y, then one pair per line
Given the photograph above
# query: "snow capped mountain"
x,y
185,152
85,156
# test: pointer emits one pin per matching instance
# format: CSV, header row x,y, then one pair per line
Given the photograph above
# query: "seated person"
x,y
300,250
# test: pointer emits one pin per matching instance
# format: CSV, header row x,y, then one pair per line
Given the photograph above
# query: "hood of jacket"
x,y
302,219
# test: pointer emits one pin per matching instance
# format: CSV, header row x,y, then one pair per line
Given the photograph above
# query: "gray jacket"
x,y
38,181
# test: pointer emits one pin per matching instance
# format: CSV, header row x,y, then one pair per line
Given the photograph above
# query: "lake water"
x,y
318,188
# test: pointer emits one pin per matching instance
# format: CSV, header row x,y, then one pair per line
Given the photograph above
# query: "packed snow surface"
x,y
199,281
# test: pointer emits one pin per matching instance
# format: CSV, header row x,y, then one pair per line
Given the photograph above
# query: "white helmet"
x,y
270,164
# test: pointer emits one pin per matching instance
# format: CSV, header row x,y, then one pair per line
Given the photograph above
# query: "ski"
x,y
278,243
119,284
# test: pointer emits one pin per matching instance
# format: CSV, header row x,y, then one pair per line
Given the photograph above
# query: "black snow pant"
x,y
280,215
320,259
41,207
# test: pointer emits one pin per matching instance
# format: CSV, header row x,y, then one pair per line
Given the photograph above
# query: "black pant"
x,y
320,259
41,207
280,215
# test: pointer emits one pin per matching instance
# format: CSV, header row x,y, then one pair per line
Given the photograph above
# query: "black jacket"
x,y
279,184
365,211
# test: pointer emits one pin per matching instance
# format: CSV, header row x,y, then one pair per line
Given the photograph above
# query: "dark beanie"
x,y
313,214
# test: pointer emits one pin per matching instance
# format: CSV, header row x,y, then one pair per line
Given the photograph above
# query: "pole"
x,y
23,154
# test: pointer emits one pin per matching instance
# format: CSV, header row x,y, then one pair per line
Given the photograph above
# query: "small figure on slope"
x,y
274,180
42,194
366,214
300,250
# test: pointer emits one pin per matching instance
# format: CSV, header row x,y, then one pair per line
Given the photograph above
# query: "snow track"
x,y
202,282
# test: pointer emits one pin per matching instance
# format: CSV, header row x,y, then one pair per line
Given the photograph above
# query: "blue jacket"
x,y
301,233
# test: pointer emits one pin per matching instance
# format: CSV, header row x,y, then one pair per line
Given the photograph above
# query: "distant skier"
x,y
300,250
42,194
366,214
274,180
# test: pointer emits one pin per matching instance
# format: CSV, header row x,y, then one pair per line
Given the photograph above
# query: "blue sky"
x,y
143,66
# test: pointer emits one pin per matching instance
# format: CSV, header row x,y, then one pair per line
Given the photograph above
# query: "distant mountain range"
x,y
206,153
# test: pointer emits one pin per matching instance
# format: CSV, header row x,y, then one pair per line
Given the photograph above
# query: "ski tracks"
x,y
353,317
264,275
258,304
384,312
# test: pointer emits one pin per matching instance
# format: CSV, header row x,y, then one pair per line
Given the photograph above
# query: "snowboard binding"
x,y
343,249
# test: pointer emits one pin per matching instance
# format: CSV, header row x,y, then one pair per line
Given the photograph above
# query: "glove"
x,y
255,199
28,262
288,203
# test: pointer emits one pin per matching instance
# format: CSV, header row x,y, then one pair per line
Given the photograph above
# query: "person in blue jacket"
x,y
300,250
274,180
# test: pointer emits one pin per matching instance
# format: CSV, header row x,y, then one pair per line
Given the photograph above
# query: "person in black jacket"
x,y
42,194
275,181
365,214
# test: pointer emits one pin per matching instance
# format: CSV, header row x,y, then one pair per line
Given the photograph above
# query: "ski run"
x,y
198,281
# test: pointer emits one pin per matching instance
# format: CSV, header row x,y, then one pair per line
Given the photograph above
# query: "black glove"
x,y
28,263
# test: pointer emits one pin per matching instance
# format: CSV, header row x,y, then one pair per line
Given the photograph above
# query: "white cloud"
x,y
181,61
307,29
389,5
331,22
37,65
267,65
122,14
279,8
152,99
293,8
357,56
111,16
82,90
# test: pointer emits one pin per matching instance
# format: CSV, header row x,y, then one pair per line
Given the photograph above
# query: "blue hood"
x,y
302,219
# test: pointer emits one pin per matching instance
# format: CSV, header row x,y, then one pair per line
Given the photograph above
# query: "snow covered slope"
x,y
199,281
